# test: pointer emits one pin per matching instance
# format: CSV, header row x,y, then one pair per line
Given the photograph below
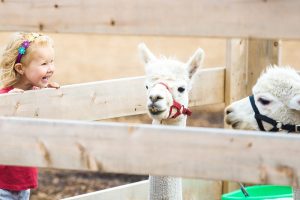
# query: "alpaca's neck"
x,y
165,187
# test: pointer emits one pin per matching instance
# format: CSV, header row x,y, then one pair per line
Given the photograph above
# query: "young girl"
x,y
27,63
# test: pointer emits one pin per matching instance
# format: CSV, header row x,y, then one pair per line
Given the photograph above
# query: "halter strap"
x,y
277,125
180,109
165,86
257,114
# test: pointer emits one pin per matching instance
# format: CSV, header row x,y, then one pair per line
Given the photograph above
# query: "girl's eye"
x,y
263,101
181,89
44,64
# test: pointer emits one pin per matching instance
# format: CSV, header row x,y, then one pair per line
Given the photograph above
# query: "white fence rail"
x,y
104,99
207,153
192,190
230,18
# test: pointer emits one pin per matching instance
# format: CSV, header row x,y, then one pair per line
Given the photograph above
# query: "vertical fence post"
x,y
261,53
245,60
236,70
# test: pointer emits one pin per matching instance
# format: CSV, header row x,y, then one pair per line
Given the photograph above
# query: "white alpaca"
x,y
167,84
276,96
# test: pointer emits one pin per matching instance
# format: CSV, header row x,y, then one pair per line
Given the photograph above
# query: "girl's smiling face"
x,y
40,68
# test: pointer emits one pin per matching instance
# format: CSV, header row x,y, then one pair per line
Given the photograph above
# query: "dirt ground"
x,y
58,184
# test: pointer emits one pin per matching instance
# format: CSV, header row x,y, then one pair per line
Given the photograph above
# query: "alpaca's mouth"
x,y
235,125
157,112
154,110
227,120
232,123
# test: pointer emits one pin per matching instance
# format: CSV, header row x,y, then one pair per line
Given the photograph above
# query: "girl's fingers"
x,y
53,85
35,88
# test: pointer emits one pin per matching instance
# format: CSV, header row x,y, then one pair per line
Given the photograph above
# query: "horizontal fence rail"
x,y
133,191
192,189
104,99
216,154
230,18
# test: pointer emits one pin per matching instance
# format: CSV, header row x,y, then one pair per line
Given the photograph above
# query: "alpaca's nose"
x,y
228,110
155,98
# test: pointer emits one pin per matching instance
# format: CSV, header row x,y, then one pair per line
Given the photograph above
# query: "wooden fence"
x,y
206,153
231,18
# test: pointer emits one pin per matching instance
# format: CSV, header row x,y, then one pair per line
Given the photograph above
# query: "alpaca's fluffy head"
x,y
277,95
173,73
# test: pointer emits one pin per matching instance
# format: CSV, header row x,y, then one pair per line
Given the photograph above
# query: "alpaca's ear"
x,y
195,62
145,54
295,102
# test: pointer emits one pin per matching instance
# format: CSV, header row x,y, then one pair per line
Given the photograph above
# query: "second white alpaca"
x,y
276,96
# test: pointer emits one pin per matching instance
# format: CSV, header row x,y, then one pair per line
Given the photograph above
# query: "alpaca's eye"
x,y
263,101
181,89
147,87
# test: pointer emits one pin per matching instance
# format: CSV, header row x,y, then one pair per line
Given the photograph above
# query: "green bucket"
x,y
261,192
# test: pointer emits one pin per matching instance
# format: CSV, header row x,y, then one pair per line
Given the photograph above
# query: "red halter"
x,y
179,107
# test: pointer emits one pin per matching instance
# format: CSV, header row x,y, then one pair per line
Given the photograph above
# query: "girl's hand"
x,y
53,85
16,90
35,88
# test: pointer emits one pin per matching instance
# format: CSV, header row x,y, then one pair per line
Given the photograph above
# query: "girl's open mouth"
x,y
45,79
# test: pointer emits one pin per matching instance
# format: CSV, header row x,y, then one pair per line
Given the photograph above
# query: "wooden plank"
x,y
246,59
236,70
261,53
192,189
236,82
204,82
117,55
103,99
201,189
133,191
231,18
216,154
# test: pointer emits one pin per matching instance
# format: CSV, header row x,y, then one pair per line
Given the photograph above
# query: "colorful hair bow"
x,y
25,45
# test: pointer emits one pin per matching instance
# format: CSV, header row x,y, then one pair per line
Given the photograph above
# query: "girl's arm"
x,y
50,85
16,90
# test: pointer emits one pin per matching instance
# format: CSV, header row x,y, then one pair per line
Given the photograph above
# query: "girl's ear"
x,y
19,68
145,54
295,102
195,62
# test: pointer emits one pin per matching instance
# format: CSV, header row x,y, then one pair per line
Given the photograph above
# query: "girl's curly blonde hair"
x,y
8,75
